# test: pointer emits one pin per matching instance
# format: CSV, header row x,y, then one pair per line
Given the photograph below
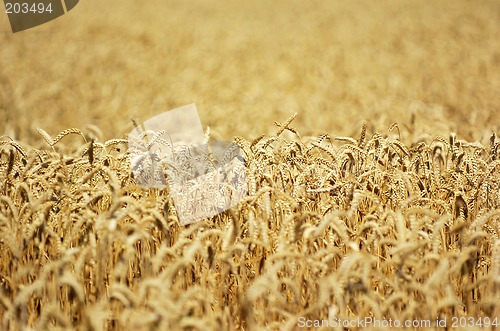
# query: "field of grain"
x,y
368,131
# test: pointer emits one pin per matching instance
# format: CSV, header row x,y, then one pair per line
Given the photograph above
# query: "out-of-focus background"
x,y
248,64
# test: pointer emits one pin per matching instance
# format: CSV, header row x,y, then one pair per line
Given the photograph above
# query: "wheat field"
x,y
369,133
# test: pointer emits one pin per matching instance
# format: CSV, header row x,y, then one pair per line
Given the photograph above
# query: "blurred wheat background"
x,y
397,217
248,64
